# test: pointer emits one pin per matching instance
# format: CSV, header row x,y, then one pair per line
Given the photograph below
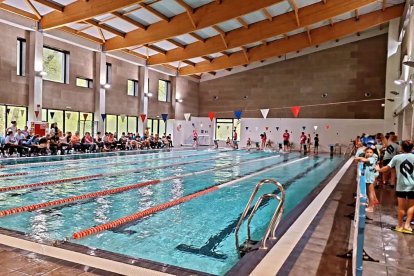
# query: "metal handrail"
x,y
274,222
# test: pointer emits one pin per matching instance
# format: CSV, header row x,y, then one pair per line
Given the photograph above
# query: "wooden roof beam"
x,y
157,49
196,36
192,64
263,30
17,11
189,10
80,34
356,14
267,14
242,22
384,4
52,5
179,45
296,10
222,35
308,32
204,16
33,9
105,27
154,12
82,10
129,20
300,41
245,53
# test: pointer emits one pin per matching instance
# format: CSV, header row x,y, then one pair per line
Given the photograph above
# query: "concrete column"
x,y
143,99
99,90
35,79
393,73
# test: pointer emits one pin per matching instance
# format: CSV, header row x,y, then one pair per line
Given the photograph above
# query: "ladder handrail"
x,y
275,218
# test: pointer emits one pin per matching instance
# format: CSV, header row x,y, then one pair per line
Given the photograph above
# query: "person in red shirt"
x,y
286,137
303,143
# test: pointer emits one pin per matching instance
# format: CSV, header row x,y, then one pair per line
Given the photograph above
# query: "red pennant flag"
x,y
37,113
327,126
85,116
295,110
143,117
267,128
211,115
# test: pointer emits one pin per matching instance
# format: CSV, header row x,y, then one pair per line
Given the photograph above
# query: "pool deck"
x,y
330,234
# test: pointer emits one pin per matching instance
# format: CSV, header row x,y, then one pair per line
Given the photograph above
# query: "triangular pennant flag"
x,y
303,127
52,114
123,117
194,125
295,110
8,111
238,114
85,116
217,126
277,128
201,125
211,115
164,117
228,127
247,128
36,114
187,116
143,117
267,128
103,116
264,112
68,115
22,112
315,127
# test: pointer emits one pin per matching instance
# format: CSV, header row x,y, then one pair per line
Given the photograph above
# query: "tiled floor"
x,y
331,234
19,262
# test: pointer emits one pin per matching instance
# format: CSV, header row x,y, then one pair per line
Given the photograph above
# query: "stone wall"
x,y
345,73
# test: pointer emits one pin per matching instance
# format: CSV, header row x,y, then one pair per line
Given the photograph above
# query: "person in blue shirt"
x,y
404,166
370,160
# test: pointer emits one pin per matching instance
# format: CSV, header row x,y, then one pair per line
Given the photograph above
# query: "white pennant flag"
x,y
187,116
264,112
123,117
315,127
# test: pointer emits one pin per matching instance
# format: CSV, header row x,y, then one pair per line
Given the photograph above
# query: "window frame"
x,y
89,82
167,93
21,56
65,65
228,121
108,77
135,85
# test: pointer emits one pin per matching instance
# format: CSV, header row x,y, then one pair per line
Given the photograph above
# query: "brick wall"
x,y
344,72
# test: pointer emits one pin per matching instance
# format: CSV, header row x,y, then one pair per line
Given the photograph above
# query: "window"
x,y
108,73
55,116
132,88
132,124
55,64
85,124
164,91
82,82
71,121
225,127
21,57
122,125
157,126
111,123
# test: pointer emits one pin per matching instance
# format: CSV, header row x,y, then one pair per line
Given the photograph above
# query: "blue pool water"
x,y
198,234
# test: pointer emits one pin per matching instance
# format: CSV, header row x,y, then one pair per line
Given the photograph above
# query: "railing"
x,y
274,222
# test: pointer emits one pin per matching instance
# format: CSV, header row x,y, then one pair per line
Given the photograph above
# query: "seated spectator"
x,y
99,141
11,144
63,143
75,141
88,143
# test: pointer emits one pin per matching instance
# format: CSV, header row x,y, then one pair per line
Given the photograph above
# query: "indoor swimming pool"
x,y
178,208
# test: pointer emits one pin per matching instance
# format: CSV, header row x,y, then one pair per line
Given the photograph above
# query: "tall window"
x,y
82,82
157,126
132,124
108,73
71,121
21,57
225,127
164,94
55,64
132,88
111,123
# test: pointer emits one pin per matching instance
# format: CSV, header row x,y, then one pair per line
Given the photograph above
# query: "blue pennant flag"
x,y
238,114
103,116
164,117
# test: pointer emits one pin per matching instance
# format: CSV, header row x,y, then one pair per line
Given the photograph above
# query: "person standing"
x,y
316,144
303,142
195,138
308,142
286,137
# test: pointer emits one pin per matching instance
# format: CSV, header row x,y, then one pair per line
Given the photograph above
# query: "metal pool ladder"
x,y
274,222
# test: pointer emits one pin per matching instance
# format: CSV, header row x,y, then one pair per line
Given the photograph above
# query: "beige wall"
x,y
344,72
13,89
156,108
187,90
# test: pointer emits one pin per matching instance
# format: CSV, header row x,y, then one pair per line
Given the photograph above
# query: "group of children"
x,y
27,143
389,163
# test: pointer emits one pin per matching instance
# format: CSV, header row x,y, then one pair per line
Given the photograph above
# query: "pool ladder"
x,y
249,244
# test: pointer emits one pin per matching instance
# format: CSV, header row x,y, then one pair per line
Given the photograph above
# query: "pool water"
x,y
197,234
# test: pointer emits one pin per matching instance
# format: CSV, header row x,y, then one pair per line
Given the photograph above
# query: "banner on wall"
x,y
164,117
211,115
143,117
295,110
265,112
187,116
103,116
238,114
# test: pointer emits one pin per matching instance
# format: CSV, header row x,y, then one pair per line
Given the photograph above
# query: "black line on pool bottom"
x,y
209,248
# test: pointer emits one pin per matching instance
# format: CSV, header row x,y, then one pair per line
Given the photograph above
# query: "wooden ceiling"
x,y
195,37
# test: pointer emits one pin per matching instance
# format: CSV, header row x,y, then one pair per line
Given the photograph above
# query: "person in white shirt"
x,y
12,128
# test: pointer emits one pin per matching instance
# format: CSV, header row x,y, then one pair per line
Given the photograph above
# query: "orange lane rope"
x,y
75,198
139,215
46,183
